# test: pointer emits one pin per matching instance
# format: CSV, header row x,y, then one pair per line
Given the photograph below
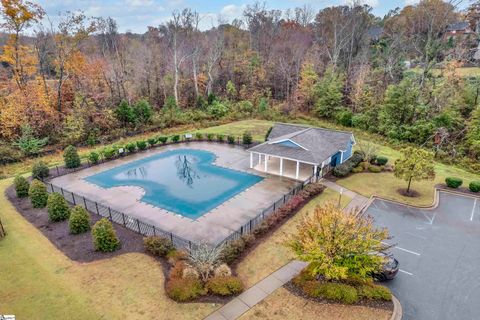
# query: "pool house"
x,y
298,152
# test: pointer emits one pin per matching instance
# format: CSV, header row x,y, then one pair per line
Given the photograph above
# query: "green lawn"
x,y
38,282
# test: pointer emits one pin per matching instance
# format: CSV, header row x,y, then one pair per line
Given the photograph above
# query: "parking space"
x,y
439,254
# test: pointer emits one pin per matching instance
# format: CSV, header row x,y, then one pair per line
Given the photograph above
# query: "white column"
x,y
266,163
251,160
315,170
298,170
259,158
281,166
341,157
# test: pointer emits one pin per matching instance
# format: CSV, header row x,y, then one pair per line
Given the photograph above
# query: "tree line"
x,y
78,79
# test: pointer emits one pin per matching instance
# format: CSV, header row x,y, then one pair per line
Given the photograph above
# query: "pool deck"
x,y
212,227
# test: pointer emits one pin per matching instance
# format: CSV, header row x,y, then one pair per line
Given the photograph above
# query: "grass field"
x,y
462,72
38,282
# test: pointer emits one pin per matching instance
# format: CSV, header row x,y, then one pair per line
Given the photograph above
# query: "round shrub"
x,y
331,291
131,147
79,221
222,270
453,182
158,246
231,139
71,157
190,272
381,160
357,169
220,137
151,141
374,292
199,136
58,209
163,139
93,157
474,186
109,152
40,170
375,169
141,145
247,138
104,236
176,138
38,194
181,290
210,136
21,186
224,286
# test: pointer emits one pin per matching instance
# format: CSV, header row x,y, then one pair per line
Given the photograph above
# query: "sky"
x,y
136,15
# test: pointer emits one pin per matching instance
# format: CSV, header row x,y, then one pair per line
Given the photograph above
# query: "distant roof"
x,y
458,26
375,32
310,144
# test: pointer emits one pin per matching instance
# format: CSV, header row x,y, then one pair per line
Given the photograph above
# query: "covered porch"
x,y
281,166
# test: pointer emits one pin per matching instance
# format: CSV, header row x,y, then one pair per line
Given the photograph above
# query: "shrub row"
x,y
345,168
234,248
454,182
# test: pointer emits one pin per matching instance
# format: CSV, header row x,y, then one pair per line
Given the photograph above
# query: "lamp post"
x,y
340,198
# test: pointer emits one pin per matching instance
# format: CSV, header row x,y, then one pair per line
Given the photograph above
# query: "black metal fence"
x,y
146,229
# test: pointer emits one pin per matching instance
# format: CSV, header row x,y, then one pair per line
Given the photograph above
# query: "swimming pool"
x,y
183,181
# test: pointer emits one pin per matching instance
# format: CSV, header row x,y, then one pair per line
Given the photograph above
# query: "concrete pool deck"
x,y
212,227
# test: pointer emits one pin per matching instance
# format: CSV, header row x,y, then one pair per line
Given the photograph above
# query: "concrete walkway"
x,y
248,299
244,302
358,201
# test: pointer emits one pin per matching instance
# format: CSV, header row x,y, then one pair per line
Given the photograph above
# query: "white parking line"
x,y
406,272
473,209
403,249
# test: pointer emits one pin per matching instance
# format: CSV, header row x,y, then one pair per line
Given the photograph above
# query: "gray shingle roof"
x,y
314,144
458,26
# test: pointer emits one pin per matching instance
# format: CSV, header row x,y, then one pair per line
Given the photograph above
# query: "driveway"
x,y
439,254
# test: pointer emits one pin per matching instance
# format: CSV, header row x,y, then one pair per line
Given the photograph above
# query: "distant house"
x,y
458,29
298,152
375,33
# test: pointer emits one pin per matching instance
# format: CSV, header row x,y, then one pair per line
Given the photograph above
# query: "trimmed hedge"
x,y
176,138
40,170
57,206
375,169
151,141
38,194
21,186
453,182
141,145
345,168
224,286
381,160
93,157
374,292
186,289
79,221
71,157
131,147
104,236
199,136
210,136
474,186
339,292
163,139
158,246
231,139
247,138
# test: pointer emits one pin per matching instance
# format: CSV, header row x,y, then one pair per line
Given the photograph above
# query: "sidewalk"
x,y
358,200
245,301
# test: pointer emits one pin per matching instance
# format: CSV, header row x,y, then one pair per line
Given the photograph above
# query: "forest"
x,y
78,80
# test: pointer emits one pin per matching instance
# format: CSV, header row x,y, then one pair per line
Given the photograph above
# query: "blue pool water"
x,y
183,181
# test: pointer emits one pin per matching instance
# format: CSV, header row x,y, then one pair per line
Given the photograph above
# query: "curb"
x,y
397,309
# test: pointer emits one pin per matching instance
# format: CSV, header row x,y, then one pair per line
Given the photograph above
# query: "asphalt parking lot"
x,y
439,254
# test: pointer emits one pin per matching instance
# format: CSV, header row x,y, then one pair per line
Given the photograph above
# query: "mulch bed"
x,y
410,194
77,247
465,190
292,288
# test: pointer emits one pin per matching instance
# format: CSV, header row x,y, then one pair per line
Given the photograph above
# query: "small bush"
x,y
232,250
375,169
79,221
364,164
453,182
381,160
176,272
301,279
93,157
109,152
224,286
220,137
374,292
38,194
332,291
358,169
163,139
222,270
345,168
176,255
474,186
131,147
182,290
190,272
231,139
40,170
57,206
21,186
71,157
104,236
176,138
141,145
247,138
151,141
199,136
158,246
210,136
